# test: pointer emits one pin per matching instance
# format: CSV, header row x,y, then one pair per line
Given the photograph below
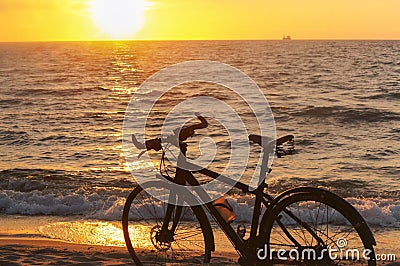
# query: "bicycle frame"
x,y
183,177
260,228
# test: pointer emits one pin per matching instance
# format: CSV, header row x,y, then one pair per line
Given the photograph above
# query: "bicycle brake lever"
x,y
140,154
137,143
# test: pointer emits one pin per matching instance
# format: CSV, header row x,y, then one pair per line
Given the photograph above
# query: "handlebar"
x,y
151,144
188,131
180,134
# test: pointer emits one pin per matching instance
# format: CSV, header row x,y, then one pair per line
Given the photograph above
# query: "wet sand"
x,y
26,251
41,251
24,241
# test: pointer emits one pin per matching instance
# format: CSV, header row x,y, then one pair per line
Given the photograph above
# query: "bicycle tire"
x,y
193,240
338,225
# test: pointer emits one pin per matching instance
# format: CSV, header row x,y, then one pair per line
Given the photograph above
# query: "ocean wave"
x,y
13,137
62,181
386,95
348,115
59,193
353,187
376,211
59,92
26,180
90,205
71,140
10,102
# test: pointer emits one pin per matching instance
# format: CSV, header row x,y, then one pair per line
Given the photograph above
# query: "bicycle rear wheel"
x,y
190,243
317,229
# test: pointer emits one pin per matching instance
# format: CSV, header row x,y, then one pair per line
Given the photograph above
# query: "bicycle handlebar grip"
x,y
203,123
187,132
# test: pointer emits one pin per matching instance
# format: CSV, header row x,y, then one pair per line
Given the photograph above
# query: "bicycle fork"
x,y
173,213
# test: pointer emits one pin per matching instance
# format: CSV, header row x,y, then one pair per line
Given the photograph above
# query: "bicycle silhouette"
x,y
300,226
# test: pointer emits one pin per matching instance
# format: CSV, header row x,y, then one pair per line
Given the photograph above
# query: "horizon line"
x,y
165,40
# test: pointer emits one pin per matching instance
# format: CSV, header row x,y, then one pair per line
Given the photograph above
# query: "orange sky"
x,y
64,20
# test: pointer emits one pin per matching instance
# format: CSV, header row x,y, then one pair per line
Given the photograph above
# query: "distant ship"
x,y
286,38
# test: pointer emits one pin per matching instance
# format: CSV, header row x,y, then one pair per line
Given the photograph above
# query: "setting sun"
x,y
80,20
119,19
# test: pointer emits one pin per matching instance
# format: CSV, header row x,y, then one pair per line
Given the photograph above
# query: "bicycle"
x,y
305,221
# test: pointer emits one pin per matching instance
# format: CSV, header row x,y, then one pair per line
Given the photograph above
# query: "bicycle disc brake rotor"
x,y
160,240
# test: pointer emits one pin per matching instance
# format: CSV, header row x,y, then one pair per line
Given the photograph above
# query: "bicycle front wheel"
x,y
317,229
190,243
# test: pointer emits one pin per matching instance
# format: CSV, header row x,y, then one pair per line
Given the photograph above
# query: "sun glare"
x,y
119,19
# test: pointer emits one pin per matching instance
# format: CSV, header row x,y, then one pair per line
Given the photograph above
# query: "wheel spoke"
x,y
144,218
324,216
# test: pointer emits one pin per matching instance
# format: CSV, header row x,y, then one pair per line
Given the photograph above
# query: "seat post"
x,y
264,166
256,212
264,170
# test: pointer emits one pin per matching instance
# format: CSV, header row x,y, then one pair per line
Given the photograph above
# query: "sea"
x,y
63,106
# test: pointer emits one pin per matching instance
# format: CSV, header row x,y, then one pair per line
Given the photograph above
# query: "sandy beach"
x,y
40,251
44,240
16,251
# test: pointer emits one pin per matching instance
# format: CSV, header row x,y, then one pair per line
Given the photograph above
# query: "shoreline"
x,y
48,240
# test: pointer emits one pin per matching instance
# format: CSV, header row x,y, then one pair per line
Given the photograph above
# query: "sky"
x,y
76,20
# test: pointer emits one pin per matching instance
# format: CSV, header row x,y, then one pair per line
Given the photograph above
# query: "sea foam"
x,y
105,206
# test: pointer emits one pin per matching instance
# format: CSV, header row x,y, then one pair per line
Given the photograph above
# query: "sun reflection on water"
x,y
92,233
97,233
